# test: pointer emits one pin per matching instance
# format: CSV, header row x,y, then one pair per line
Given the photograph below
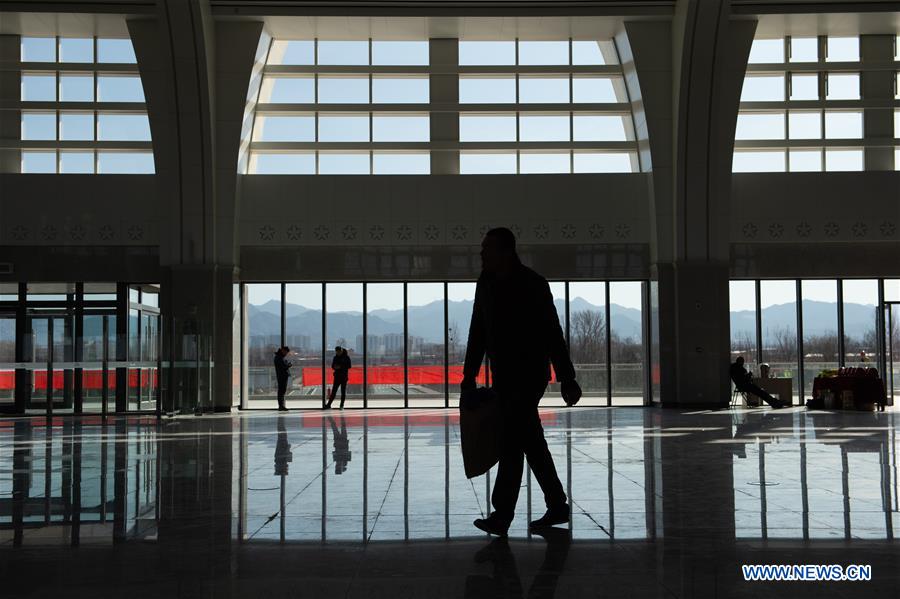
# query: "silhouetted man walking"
x,y
341,365
282,374
514,321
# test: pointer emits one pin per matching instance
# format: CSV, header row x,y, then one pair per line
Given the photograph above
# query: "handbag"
x,y
479,430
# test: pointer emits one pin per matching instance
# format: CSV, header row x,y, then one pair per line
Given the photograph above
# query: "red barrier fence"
x,y
91,379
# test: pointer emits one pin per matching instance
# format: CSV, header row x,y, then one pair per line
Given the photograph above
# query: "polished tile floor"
x,y
373,503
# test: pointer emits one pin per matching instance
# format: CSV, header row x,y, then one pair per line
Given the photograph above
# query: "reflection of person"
x,y
863,359
514,321
282,374
341,365
743,380
506,581
283,455
341,453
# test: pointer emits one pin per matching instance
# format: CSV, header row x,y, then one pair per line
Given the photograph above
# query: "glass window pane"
x,y
544,127
76,49
38,87
425,343
760,125
303,334
843,125
487,90
860,322
287,90
763,88
843,49
460,297
134,163
123,127
758,161
544,162
343,163
119,88
76,162
820,329
400,127
843,160
543,90
487,163
263,339
400,52
805,161
401,163
598,90
384,345
594,52
299,127
842,86
804,87
778,303
36,161
892,292
76,126
587,338
115,51
897,124
605,162
397,89
343,127
805,125
601,127
39,125
742,314
339,89
283,163
343,326
76,87
487,53
38,49
771,51
487,127
343,52
292,52
626,342
804,49
543,53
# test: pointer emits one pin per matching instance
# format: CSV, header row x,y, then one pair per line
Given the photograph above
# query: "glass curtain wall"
x,y
742,300
407,341
820,329
384,345
860,311
778,313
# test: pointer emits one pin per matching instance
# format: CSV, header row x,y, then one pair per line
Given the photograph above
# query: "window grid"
x,y
850,142
138,149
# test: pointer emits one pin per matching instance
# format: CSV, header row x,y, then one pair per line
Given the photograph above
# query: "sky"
x,y
856,291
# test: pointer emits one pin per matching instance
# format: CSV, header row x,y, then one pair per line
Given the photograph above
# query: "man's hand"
x,y
571,392
467,384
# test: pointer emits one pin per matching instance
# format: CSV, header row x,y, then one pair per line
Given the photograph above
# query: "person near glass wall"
x,y
340,365
515,322
282,374
743,381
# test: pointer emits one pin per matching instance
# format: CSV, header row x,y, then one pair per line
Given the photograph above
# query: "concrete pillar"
x,y
10,119
878,85
444,89
686,103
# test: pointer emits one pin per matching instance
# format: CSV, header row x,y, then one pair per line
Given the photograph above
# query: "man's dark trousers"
x,y
522,437
282,389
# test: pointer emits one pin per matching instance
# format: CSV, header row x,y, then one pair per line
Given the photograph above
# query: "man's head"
x,y
498,250
739,361
338,349
285,350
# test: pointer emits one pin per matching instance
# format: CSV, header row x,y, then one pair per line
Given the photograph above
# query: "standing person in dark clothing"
x,y
341,365
282,374
743,380
514,321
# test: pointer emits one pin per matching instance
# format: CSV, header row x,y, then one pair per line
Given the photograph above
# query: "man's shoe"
x,y
778,405
282,409
553,516
492,525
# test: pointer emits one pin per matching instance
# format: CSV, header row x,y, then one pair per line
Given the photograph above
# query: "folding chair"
x,y
737,395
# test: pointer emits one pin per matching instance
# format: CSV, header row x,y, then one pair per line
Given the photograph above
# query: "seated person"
x,y
743,380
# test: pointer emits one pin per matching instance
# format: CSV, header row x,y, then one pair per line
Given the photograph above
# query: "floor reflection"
x,y
671,501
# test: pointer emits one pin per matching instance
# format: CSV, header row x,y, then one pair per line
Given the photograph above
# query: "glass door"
x,y
98,347
892,350
49,353
7,362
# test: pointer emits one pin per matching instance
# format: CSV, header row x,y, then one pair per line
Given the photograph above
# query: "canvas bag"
x,y
479,430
